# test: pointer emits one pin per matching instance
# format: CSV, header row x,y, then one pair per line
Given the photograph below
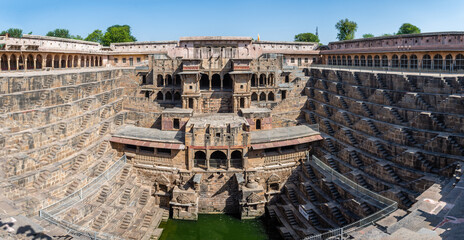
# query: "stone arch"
x,y
339,60
177,96
262,79
356,60
426,62
199,159
76,59
459,64
363,61
384,61
395,61
56,61
216,81
236,159
344,60
253,80
159,96
177,80
227,81
63,61
204,81
30,61
437,62
413,63
38,61
159,80
258,124
404,61
4,60
350,61
254,96
49,61
82,61
273,182
168,80
448,62
271,79
329,60
369,61
21,62
262,96
270,96
168,96
13,65
218,159
376,61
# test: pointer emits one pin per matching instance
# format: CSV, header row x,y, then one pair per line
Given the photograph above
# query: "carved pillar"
x,y
9,64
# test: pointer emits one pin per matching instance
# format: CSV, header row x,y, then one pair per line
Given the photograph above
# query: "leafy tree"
x,y
387,34
408,28
346,29
118,33
95,36
61,33
77,37
13,32
306,37
368,35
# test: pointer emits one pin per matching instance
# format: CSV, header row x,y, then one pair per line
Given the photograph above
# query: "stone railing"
x,y
284,158
389,69
389,205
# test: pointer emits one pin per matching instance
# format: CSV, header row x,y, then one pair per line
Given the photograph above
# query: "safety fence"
x,y
51,213
343,232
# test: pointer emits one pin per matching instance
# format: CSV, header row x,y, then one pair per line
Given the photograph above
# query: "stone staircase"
x,y
104,193
41,180
126,220
333,191
338,216
100,221
78,162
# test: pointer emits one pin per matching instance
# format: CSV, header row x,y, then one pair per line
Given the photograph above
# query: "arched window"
x,y
413,62
227,81
159,96
218,159
356,60
30,61
404,61
4,65
177,80
159,80
344,60
369,61
350,62
49,62
258,124
82,61
376,61
395,61
70,58
437,62
270,79
262,97
384,61
216,81
204,82
63,61
254,97
168,80
262,79
363,61
76,59
448,62
168,96
270,96
459,65
426,62
329,60
253,80
13,62
199,159
339,60
177,96
236,159
21,62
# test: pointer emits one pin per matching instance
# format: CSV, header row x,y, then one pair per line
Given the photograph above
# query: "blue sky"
x,y
155,20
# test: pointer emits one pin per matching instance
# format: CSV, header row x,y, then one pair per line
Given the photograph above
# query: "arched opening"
x,y
376,61
168,80
21,62
216,81
253,80
13,62
262,79
459,65
159,96
262,97
168,96
4,65
199,159
413,62
258,124
363,61
384,61
70,58
30,61
159,80
76,59
274,186
92,61
437,62
236,159
87,61
227,82
270,96
190,103
218,159
82,61
254,97
329,60
242,102
63,61
204,82
101,61
404,61
270,79
56,62
344,60
350,61
356,60
426,62
38,62
448,62
49,61
287,78
395,61
339,60
177,80
369,61
177,96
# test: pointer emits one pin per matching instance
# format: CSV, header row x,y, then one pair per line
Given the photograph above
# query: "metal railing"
x,y
341,233
51,213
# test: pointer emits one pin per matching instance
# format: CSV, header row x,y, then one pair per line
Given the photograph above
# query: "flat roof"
x,y
400,36
150,134
216,120
282,134
255,110
177,110
215,38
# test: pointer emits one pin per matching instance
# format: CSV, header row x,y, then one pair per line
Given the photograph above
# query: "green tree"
x,y
408,28
346,29
61,33
77,37
13,32
368,35
118,33
306,37
387,34
95,36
